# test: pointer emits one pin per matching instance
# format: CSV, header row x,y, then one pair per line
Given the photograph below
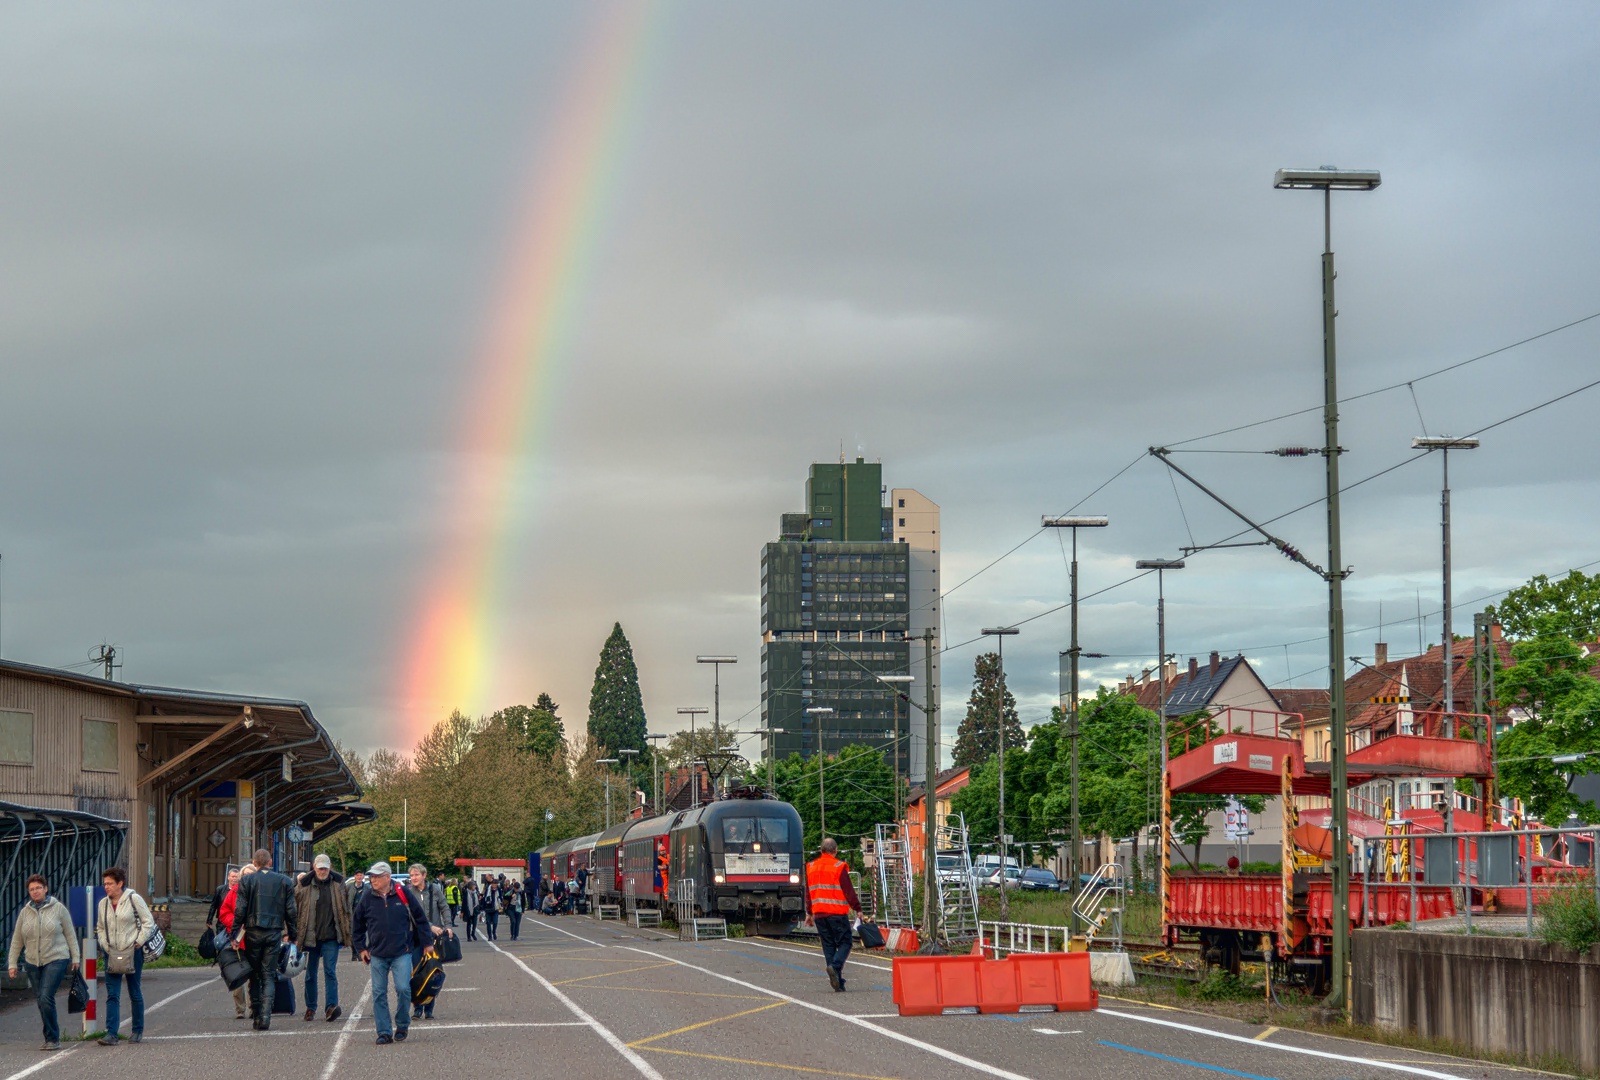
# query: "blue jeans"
x,y
516,922
491,922
834,932
135,994
329,952
385,968
46,979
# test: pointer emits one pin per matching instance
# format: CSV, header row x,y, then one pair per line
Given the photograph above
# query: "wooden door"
x,y
216,838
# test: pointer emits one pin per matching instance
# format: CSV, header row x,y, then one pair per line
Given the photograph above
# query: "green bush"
x,y
1569,916
179,953
1220,985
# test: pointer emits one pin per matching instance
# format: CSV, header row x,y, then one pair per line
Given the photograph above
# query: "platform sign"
x,y
1235,820
1304,860
1223,753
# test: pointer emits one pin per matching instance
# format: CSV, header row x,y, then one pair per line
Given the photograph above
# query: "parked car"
x,y
1038,879
950,869
1013,876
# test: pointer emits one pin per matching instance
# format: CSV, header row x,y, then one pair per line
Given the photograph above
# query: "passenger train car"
x,y
739,857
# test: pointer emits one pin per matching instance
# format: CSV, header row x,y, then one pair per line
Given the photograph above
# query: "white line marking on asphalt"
x,y
457,989
1376,1063
164,1001
639,1063
51,1060
421,1029
948,1055
807,952
349,1028
1053,1031
558,930
877,1016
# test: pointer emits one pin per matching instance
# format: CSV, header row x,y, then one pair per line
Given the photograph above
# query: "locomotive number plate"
x,y
758,864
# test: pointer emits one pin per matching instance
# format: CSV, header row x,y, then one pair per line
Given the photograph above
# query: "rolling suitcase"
x,y
283,995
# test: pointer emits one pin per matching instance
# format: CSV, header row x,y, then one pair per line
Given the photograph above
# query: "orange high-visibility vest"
x,y
823,877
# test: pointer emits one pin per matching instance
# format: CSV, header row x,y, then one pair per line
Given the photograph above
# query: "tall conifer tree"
x,y
616,708
977,739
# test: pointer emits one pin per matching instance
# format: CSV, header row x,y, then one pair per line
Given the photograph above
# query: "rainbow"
x,y
451,658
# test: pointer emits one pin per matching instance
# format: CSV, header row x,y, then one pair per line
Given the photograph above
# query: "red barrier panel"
x,y
929,985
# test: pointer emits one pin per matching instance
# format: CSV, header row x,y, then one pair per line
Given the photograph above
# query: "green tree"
x,y
1549,684
1028,772
1570,607
616,708
538,731
859,786
978,736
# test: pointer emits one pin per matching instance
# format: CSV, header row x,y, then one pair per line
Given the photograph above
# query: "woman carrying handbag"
x,y
122,925
44,942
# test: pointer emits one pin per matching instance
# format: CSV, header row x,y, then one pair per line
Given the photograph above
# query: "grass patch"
x,y
1141,917
1569,917
179,954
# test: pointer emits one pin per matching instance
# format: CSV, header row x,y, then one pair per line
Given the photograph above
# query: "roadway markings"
x,y
36,1066
1265,1035
1183,1061
809,950
1054,1031
631,1056
608,974
642,1043
349,1029
949,1055
1376,1063
164,1001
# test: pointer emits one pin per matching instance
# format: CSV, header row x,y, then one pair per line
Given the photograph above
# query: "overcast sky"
x,y
248,255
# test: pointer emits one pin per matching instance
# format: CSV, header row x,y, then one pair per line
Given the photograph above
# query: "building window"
x,y
16,737
903,525
903,506
100,745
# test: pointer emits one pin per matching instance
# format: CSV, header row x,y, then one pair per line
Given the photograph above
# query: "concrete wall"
x,y
1512,995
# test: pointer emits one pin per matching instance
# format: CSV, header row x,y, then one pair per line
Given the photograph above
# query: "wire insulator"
x,y
1294,451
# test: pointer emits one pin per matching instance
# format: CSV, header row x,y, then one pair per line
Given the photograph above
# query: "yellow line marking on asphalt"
x,y
608,974
1147,1004
768,1064
684,993
705,1023
1266,1034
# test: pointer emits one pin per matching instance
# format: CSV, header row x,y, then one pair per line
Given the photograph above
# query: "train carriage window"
x,y
744,834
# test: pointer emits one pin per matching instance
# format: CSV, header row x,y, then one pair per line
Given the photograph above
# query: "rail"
x,y
1235,720
1090,905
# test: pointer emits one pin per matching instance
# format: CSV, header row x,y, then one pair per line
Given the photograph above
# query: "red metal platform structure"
x,y
1287,917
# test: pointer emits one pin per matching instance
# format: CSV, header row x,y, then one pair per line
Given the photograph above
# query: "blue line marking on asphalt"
x,y
1184,1061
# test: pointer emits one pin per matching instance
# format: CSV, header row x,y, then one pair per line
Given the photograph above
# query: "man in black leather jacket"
x,y
264,916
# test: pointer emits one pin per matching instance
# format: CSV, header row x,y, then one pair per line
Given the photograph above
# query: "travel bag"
x,y
283,995
871,936
233,968
427,979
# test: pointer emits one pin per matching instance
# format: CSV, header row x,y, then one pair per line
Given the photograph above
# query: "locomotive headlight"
x,y
719,878
794,879
755,847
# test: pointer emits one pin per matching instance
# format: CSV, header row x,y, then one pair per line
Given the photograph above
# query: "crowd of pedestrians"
x,y
274,925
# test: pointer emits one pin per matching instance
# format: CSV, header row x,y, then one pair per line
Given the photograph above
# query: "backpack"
x,y
427,979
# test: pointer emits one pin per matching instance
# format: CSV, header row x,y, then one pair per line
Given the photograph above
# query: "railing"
x,y
1506,868
1107,883
1234,720
998,939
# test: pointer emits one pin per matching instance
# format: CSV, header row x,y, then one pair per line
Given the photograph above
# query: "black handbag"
x,y
78,996
207,946
449,947
235,971
871,936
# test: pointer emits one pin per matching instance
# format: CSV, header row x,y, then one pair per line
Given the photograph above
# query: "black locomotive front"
x,y
746,860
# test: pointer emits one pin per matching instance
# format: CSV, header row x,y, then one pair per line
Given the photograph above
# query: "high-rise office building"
x,y
846,587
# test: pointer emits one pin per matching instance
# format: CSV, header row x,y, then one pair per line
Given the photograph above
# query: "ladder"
x,y
893,853
1101,903
958,899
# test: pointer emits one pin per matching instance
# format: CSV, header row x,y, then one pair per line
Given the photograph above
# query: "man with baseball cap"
x,y
324,930
387,924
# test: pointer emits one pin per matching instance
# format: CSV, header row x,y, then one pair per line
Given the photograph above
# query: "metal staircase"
x,y
893,860
1100,904
958,895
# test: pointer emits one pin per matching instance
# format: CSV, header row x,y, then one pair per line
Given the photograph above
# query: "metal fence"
x,y
1508,871
68,847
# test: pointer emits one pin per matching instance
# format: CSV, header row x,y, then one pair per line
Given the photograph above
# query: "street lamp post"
x,y
1444,444
716,663
1328,180
655,762
607,761
1000,633
694,781
1161,566
630,755
895,682
821,711
1071,705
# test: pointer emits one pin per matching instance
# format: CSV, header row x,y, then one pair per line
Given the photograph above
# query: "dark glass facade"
x,y
835,611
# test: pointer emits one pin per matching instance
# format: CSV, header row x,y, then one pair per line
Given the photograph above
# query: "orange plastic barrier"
x,y
931,985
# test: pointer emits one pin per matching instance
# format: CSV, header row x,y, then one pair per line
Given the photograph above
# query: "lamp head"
x,y
1327,178
1158,564
1443,442
1073,522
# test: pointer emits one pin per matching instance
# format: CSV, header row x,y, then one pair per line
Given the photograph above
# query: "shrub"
x,y
1569,916
1220,985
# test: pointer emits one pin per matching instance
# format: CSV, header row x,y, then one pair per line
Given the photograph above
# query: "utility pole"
x,y
1000,633
821,711
895,683
1326,180
772,734
607,762
694,753
655,761
930,784
1070,706
1161,566
716,663
1444,444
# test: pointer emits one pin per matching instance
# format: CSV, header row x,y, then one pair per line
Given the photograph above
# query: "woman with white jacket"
x,y
44,942
123,924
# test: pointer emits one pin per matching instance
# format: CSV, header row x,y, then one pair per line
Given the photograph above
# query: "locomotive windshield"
x,y
744,835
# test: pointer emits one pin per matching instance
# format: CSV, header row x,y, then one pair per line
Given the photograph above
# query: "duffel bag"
x,y
283,995
235,972
871,936
449,948
427,979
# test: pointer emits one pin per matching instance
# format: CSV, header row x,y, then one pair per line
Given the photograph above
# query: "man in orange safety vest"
x,y
830,897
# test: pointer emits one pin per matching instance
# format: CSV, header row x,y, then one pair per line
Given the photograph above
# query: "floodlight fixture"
x,y
1327,178
1443,442
1074,522
1158,564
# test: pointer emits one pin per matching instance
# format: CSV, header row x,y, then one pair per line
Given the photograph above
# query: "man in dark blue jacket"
x,y
388,922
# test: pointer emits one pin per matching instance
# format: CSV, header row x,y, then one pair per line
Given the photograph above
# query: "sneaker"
x,y
400,1034
107,1040
385,1040
137,1036
311,1013
51,1046
834,980
334,1012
